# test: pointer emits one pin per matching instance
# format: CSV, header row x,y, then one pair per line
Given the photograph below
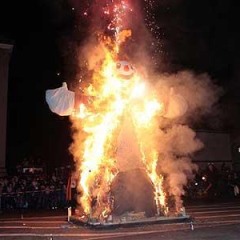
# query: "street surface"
x,y
215,221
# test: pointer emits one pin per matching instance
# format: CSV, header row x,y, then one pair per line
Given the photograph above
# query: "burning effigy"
x,y
131,143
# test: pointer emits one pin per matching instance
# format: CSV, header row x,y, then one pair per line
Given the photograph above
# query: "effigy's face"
x,y
124,70
130,82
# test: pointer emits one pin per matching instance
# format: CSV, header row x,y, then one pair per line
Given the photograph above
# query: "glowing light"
x,y
99,122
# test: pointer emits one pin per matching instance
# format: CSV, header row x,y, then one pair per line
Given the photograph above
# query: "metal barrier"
x,y
39,199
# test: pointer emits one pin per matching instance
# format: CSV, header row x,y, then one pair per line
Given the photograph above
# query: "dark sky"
x,y
200,35
36,29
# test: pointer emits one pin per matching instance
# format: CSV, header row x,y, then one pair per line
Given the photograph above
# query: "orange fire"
x,y
97,127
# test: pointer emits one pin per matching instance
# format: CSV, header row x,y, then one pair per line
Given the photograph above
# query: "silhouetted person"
x,y
212,181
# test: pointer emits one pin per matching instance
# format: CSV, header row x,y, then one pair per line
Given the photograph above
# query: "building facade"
x,y
217,149
5,54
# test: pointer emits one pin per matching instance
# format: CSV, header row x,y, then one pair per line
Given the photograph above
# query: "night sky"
x,y
198,35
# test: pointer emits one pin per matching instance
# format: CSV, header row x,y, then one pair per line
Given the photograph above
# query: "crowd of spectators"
x,y
214,182
31,187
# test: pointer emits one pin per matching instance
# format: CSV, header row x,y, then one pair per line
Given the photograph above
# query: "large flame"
x,y
114,100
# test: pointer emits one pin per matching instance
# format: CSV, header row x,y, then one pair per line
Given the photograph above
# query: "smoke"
x,y
91,52
177,144
172,136
186,97
199,91
177,141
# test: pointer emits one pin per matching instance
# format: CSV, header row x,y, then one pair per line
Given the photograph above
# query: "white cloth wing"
x,y
61,100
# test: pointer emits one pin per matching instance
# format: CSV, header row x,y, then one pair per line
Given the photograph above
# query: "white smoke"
x,y
177,141
198,90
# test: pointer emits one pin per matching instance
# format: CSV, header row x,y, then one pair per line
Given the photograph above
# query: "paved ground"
x,y
218,221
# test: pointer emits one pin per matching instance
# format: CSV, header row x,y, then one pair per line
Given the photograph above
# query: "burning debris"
x,y
131,144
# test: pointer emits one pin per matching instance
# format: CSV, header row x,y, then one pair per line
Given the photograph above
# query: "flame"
x,y
98,123
146,125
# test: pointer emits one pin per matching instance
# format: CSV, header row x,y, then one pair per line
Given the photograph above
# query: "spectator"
x,y
35,191
212,181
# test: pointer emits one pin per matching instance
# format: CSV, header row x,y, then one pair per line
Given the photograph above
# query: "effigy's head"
x,y
124,69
